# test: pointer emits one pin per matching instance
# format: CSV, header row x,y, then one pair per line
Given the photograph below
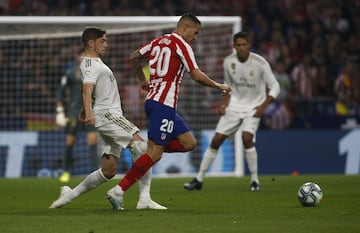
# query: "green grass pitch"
x,y
225,204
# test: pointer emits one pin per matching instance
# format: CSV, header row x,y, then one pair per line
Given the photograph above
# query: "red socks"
x,y
143,163
137,170
174,146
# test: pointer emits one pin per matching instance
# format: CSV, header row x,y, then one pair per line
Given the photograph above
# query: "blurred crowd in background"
x,y
313,46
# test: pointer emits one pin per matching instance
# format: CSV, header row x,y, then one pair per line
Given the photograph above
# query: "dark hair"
x,y
241,34
191,17
91,33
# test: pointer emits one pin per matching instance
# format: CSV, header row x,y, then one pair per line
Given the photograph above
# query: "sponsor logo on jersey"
x,y
245,83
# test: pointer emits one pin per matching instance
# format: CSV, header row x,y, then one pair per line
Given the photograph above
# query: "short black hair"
x,y
191,17
241,34
91,33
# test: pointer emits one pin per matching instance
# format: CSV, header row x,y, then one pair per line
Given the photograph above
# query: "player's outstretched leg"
x,y
137,148
66,196
90,182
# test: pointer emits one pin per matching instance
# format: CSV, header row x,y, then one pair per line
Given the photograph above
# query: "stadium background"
x,y
313,47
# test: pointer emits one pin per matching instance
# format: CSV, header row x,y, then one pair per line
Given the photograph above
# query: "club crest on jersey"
x,y
87,72
163,136
251,73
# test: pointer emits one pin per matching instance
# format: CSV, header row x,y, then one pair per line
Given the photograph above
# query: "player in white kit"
x,y
253,87
102,108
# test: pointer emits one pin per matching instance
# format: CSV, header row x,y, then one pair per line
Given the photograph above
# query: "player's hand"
x,y
60,118
259,111
89,118
226,89
89,121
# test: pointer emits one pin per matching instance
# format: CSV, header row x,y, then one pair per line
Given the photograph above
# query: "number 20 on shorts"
x,y
167,126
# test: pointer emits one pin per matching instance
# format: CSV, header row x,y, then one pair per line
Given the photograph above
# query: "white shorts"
x,y
231,121
116,133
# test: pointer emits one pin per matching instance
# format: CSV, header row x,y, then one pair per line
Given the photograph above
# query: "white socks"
x,y
118,190
145,180
210,155
206,161
144,185
93,180
251,158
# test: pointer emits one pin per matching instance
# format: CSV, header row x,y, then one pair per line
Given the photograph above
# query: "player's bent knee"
x,y
109,174
248,139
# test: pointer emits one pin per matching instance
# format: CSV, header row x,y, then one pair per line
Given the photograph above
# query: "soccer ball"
x,y
310,194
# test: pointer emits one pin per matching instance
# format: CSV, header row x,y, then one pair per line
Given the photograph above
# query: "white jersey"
x,y
106,94
249,82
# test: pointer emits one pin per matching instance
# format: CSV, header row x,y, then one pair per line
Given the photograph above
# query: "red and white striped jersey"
x,y
169,56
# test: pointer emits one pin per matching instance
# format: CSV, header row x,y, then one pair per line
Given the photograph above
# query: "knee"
x,y
217,140
109,174
109,165
91,138
248,140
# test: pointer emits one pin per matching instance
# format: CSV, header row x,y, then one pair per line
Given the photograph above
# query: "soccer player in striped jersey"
x,y
253,88
101,106
169,56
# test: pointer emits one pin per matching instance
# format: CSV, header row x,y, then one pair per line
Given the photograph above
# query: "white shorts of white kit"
x,y
231,121
116,132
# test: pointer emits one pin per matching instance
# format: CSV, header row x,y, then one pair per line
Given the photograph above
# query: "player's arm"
x,y
137,62
261,108
86,113
203,79
273,90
